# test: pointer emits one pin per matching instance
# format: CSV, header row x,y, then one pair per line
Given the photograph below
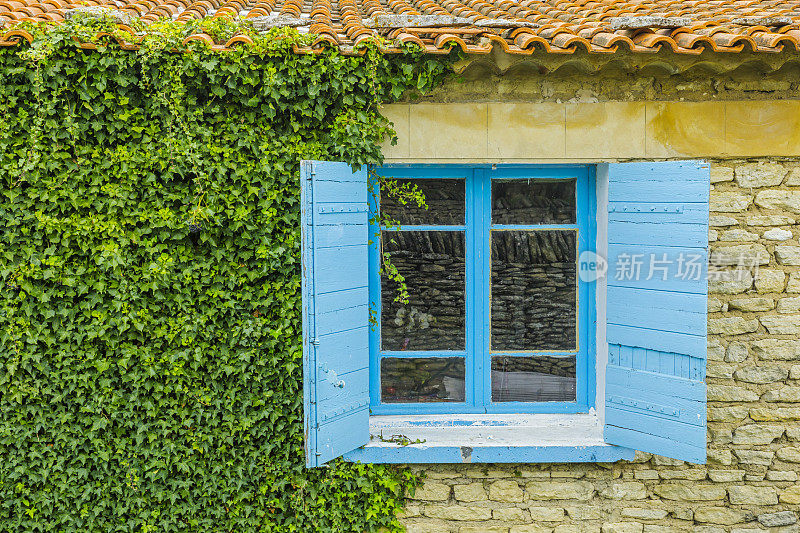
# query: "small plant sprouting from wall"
x,y
149,278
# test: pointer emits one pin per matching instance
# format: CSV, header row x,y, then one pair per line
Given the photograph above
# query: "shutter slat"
x,y
655,394
335,297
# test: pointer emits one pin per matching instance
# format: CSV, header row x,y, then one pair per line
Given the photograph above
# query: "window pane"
x,y
533,202
420,380
533,379
432,263
534,290
444,197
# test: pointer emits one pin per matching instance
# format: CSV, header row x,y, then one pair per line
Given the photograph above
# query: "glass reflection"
x,y
422,380
432,263
445,199
533,202
533,379
533,302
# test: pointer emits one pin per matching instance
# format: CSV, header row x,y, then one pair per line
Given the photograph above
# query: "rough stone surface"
x,y
791,495
761,374
629,490
787,254
733,325
731,282
778,234
770,220
505,491
750,305
751,495
789,305
760,174
719,515
779,199
730,202
770,280
784,518
782,325
757,434
794,283
776,349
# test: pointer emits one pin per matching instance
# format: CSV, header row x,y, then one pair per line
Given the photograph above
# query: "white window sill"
x,y
487,439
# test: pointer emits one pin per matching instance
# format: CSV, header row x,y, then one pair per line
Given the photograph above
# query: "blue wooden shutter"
x,y
335,309
655,396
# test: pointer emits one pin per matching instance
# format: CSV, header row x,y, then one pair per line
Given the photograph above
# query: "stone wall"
x,y
751,480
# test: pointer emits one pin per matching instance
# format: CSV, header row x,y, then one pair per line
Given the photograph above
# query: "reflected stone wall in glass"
x,y
533,202
534,279
432,263
445,199
422,380
533,379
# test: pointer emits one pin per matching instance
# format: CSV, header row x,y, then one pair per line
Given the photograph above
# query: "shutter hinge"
x,y
315,341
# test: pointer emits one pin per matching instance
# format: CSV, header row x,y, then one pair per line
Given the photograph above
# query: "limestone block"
x,y
715,305
752,305
472,492
626,490
770,220
509,514
643,514
432,492
427,526
623,527
762,174
713,235
791,495
727,414
738,234
782,325
729,202
757,434
776,349
754,457
505,491
483,529
783,518
748,254
725,476
776,414
751,495
787,254
790,454
553,490
778,234
770,280
730,393
457,512
777,199
646,474
731,282
719,456
721,174
721,221
690,492
737,352
789,305
794,372
794,177
784,394
762,374
530,528
546,514
719,515
794,283
584,513
781,475
734,325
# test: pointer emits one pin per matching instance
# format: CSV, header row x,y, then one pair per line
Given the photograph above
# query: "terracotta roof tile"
x,y
517,26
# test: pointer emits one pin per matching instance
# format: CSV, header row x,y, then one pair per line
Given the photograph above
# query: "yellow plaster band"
x,y
525,132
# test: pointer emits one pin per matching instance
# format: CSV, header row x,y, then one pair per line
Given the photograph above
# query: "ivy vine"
x,y
151,361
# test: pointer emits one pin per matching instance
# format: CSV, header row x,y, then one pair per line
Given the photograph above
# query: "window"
x,y
469,362
497,319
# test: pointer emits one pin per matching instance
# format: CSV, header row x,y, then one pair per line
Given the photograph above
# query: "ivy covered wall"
x,y
150,370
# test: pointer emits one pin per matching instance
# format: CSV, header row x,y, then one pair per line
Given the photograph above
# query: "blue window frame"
x,y
477,231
